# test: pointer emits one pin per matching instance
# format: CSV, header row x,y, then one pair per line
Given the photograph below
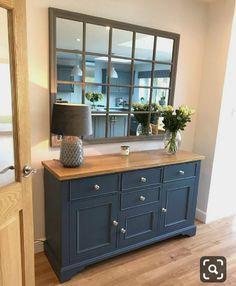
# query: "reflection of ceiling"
x,y
70,36
4,48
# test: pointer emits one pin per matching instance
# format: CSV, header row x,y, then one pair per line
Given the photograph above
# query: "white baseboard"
x,y
200,215
38,245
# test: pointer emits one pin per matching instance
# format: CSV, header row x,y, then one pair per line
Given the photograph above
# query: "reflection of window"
x,y
161,81
144,81
90,72
143,95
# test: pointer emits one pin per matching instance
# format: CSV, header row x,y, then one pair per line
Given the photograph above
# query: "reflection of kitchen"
x,y
69,69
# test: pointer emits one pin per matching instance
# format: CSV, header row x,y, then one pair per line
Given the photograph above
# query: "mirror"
x,y
99,35
144,45
120,70
69,34
122,43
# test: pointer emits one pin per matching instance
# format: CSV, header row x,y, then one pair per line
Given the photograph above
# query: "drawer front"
x,y
141,178
179,171
140,198
94,186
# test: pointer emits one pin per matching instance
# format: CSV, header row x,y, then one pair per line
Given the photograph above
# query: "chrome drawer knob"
x,y
164,210
123,230
142,198
143,180
181,172
96,187
115,223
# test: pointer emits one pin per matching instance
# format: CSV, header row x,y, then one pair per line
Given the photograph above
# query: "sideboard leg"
x,y
67,275
190,232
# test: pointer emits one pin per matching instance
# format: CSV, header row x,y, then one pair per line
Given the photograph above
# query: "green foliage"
x,y
145,107
175,120
6,119
143,117
94,96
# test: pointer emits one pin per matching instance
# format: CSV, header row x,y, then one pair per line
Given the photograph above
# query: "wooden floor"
x,y
173,262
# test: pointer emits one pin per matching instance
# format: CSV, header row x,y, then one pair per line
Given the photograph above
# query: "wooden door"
x,y
16,225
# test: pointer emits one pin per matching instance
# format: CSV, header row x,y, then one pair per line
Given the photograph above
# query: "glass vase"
x,y
143,130
172,141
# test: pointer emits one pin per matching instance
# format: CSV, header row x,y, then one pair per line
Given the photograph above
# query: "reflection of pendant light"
x,y
76,71
114,73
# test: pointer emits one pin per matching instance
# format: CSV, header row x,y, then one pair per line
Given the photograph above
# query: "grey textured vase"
x,y
72,153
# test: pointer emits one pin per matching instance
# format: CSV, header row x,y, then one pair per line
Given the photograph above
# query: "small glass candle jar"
x,y
124,150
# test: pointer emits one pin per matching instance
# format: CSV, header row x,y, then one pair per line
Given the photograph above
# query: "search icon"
x,y
212,269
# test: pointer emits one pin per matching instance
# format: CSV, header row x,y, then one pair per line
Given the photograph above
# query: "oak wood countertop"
x,y
114,163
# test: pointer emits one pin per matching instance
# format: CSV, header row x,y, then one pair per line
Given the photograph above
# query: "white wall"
x,y
186,17
219,23
221,201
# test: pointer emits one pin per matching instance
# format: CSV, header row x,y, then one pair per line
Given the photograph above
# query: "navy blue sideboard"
x,y
97,214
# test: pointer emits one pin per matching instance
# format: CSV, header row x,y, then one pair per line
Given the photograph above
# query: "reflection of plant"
x,y
94,96
143,117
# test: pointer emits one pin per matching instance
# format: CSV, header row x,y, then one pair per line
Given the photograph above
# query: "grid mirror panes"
x,y
120,70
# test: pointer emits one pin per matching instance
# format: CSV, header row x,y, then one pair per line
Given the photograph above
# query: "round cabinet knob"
x,y
143,180
164,210
96,187
115,223
123,230
181,172
142,198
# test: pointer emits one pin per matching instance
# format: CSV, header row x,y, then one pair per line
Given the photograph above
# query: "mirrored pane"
x,y
120,71
142,73
144,46
69,67
162,75
164,49
98,125
119,99
69,93
96,97
118,124
96,69
140,124
6,135
160,96
141,96
69,34
122,42
97,38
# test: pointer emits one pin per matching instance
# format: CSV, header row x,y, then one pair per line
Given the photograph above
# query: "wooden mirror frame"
x,y
57,13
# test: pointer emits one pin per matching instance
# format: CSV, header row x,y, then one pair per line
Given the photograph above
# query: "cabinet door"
x,y
177,205
99,123
118,126
138,224
92,232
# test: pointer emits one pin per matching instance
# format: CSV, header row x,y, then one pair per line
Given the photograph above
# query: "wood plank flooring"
x,y
174,262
